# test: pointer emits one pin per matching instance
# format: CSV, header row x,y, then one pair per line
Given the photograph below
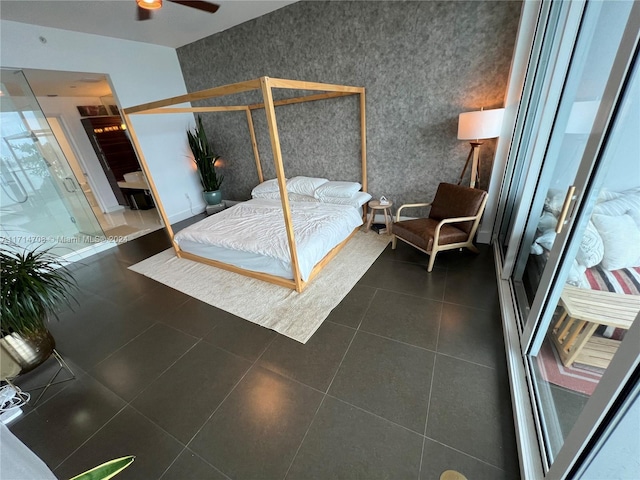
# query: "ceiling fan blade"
x,y
143,14
200,5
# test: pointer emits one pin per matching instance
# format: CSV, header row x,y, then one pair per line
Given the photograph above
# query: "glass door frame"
x,y
587,180
593,421
563,20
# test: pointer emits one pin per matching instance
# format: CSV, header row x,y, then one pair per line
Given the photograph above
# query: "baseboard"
x,y
115,208
483,236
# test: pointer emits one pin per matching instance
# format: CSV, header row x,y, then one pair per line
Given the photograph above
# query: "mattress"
x,y
251,235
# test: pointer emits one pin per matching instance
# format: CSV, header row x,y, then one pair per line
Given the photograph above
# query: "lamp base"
x,y
474,158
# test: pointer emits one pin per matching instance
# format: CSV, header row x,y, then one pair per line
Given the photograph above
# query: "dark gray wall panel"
x,y
422,63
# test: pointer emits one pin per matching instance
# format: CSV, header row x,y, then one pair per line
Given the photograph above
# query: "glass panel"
x,y
601,293
528,114
595,51
41,201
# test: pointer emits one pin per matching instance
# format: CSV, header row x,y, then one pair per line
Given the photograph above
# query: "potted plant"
x,y
32,287
205,160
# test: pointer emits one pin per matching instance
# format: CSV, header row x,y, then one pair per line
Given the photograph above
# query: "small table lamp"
x,y
476,126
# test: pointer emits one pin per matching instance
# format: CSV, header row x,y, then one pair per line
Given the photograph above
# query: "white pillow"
x,y
337,189
576,275
293,197
305,185
621,239
357,200
591,251
269,195
268,186
296,197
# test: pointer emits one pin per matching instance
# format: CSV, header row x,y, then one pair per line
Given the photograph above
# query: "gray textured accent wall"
x,y
422,63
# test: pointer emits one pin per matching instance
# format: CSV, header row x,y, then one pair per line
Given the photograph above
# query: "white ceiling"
x,y
172,26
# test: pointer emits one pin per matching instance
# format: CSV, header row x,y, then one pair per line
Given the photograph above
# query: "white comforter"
x,y
257,226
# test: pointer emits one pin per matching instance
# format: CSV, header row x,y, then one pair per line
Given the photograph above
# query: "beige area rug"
x,y
296,315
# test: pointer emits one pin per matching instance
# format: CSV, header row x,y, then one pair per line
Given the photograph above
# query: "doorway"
x,y
60,94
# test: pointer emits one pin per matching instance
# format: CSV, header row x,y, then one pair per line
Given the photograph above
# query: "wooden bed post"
x,y
363,139
277,161
254,145
152,185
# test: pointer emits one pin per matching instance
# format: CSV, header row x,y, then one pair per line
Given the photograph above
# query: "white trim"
x,y
88,251
517,74
529,456
114,208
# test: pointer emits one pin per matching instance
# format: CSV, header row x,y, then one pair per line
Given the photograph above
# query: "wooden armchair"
x,y
452,223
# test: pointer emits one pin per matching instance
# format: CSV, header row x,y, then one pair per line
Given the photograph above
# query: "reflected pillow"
x,y
591,251
621,238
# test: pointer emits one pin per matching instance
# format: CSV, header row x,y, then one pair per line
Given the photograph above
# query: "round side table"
x,y
374,206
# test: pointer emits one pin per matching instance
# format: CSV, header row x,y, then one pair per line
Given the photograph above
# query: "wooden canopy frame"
x,y
265,85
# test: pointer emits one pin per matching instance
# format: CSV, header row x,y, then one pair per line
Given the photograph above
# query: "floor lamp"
x,y
476,126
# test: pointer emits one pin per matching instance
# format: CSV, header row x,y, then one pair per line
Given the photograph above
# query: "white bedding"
x,y
252,235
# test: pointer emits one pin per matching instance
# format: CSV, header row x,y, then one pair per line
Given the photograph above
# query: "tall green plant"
x,y
204,158
32,286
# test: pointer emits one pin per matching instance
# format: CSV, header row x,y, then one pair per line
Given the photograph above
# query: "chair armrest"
x,y
456,220
409,205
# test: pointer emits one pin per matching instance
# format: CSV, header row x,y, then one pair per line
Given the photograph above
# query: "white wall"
x,y
139,73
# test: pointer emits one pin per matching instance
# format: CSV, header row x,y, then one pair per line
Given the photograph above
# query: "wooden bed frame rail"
x,y
266,86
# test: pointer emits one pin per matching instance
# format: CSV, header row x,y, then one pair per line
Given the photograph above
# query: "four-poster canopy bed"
x,y
265,85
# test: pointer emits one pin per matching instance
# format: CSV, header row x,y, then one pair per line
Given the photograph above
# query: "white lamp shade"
x,y
480,124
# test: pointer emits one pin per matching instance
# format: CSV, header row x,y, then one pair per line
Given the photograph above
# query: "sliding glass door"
x,y
571,230
41,200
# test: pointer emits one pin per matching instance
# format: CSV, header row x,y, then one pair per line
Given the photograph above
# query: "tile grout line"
x,y
424,441
91,436
186,449
328,387
128,403
433,374
466,454
230,391
313,419
357,407
199,340
121,347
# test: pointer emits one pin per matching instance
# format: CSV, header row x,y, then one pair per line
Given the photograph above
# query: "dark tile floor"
x,y
405,379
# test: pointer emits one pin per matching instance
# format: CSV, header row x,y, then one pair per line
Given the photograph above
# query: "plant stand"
x,y
62,365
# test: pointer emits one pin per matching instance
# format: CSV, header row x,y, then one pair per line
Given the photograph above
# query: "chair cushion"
x,y
456,201
420,232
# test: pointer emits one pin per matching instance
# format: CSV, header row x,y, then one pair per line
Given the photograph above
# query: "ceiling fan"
x,y
146,6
